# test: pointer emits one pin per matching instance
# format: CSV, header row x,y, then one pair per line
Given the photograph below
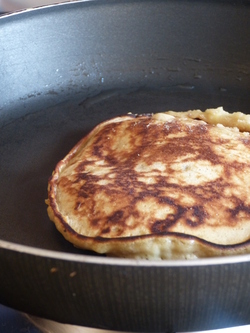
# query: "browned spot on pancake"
x,y
196,215
209,192
240,209
117,216
164,225
106,231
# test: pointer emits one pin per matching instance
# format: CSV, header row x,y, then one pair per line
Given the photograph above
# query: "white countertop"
x,y
47,326
12,5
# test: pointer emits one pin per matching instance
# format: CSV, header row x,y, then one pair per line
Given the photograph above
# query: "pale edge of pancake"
x,y
237,120
160,246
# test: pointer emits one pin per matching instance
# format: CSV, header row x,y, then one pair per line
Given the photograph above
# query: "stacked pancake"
x,y
171,185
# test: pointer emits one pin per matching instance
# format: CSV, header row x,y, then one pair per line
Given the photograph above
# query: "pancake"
x,y
171,185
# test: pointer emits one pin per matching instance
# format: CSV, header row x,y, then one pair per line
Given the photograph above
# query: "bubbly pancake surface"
x,y
160,186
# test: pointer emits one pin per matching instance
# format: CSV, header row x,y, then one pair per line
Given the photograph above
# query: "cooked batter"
x,y
162,186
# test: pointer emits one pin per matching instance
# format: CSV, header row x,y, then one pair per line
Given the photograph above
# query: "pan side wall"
x,y
113,297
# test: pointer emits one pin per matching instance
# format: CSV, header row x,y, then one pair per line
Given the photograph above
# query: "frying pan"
x,y
63,69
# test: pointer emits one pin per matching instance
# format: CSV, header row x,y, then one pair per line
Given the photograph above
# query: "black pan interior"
x,y
31,146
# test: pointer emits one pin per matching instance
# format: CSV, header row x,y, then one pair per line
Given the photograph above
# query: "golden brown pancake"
x,y
161,186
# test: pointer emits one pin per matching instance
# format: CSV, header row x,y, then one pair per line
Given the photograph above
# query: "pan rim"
x,y
109,261
53,4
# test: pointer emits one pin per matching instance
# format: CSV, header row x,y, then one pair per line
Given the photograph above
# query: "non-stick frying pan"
x,y
63,69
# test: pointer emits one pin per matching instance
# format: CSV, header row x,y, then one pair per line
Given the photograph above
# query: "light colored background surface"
x,y
48,326
12,5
